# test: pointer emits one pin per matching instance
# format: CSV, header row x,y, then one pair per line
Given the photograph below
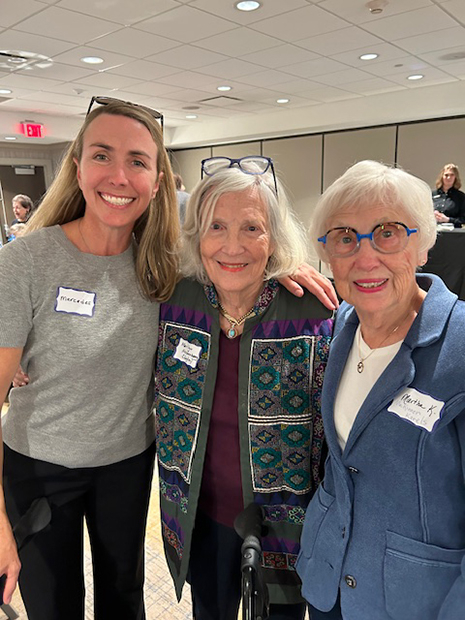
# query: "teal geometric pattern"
x,y
281,457
178,397
280,376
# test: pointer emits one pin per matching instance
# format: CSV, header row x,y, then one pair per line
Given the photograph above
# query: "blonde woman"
x,y
83,323
448,200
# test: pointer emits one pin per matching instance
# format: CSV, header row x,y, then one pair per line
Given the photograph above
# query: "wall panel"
x,y
187,164
343,149
424,148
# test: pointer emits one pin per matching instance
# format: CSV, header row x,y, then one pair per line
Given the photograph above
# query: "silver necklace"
x,y
82,237
360,365
235,323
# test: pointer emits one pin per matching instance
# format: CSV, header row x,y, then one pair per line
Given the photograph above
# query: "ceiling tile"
x,y
300,24
13,11
449,37
186,24
457,69
432,76
456,8
59,71
228,10
373,86
328,93
46,97
73,57
299,86
120,11
190,79
339,41
109,80
386,52
187,57
134,43
279,56
143,70
268,78
230,69
429,19
406,64
357,12
239,41
441,58
312,68
339,78
22,41
66,25
154,89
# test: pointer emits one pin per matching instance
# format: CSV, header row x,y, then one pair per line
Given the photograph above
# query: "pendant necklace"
x,y
235,323
360,365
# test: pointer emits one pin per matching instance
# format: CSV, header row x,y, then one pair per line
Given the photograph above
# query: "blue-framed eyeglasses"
x,y
387,238
107,100
251,164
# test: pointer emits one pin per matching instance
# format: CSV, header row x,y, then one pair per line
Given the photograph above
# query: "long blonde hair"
x,y
449,168
157,229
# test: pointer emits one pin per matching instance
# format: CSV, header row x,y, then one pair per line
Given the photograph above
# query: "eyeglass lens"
x,y
387,238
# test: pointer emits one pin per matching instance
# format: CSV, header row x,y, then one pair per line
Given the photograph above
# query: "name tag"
x,y
73,301
187,352
419,409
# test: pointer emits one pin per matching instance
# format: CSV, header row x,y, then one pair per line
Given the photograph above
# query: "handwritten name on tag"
x,y
187,352
419,409
74,301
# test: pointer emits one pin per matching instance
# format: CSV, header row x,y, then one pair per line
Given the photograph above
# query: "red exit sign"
x,y
32,130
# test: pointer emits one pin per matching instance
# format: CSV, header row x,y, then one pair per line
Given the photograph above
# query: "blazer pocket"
x,y
316,513
417,577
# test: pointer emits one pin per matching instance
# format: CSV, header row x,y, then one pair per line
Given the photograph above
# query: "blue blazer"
x,y
387,525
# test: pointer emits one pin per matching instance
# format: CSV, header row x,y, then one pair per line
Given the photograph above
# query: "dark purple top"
x,y
221,493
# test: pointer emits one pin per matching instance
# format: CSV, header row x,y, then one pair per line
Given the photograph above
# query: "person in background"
x,y
22,208
181,195
239,372
384,535
448,200
17,230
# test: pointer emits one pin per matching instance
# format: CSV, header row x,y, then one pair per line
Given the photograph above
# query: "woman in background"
x,y
448,200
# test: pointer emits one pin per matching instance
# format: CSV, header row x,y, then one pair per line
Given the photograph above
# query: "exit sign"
x,y
32,130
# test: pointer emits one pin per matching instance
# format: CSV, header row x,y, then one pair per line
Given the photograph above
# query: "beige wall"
x,y
187,164
424,148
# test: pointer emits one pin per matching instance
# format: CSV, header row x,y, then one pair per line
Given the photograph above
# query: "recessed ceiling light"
x,y
282,100
92,60
191,116
5,91
10,138
224,88
248,5
368,56
417,76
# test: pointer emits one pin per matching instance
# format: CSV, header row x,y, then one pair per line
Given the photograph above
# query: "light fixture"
x,y
376,6
92,60
5,91
224,88
282,100
10,138
417,76
191,116
368,56
248,5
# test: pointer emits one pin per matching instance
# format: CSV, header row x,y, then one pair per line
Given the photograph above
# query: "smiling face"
x,y
20,211
448,179
376,283
236,247
117,172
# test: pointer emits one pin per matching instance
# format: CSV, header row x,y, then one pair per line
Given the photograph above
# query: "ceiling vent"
x,y
221,101
14,60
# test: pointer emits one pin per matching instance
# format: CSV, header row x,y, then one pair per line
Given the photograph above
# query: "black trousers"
x,y
215,575
334,614
114,501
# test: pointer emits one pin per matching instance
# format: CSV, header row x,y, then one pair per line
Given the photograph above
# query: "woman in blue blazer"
x,y
384,536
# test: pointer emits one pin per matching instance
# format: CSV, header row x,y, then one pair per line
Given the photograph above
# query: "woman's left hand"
x,y
308,277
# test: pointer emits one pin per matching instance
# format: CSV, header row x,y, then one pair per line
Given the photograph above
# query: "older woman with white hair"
x,y
384,536
238,383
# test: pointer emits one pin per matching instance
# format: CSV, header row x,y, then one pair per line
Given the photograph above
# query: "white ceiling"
x,y
173,54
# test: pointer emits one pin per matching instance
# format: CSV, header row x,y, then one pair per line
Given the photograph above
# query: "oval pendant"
x,y
231,333
360,366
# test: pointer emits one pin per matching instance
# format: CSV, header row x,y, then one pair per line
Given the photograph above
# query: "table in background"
x,y
447,260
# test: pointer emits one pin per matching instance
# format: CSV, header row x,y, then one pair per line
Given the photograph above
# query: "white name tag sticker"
x,y
419,409
187,352
74,301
